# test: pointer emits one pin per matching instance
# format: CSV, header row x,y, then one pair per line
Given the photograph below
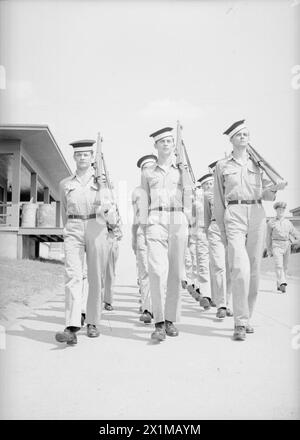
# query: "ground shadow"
x,y
111,322
275,292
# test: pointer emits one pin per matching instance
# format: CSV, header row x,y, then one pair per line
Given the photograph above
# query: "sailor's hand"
x,y
111,215
278,186
104,208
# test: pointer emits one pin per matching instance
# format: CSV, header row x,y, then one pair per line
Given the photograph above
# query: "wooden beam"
x,y
33,187
46,195
19,247
43,238
16,187
32,165
57,214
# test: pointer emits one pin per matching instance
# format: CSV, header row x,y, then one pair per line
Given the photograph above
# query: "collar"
x,y
231,157
90,173
173,164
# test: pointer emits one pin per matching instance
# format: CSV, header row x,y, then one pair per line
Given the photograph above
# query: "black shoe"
x,y
282,287
146,317
221,313
159,333
229,312
82,319
171,330
108,307
239,333
67,336
205,302
92,331
184,284
249,328
191,289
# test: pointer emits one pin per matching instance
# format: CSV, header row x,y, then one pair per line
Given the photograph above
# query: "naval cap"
x,y
162,133
205,178
83,145
235,128
212,165
145,159
279,205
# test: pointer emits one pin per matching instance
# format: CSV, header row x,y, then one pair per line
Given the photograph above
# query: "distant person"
x,y
85,230
280,234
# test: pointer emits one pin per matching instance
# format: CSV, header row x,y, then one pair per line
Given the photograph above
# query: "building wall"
x,y
30,247
295,212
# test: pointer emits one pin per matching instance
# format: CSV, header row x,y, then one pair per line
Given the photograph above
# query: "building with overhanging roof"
x,y
31,167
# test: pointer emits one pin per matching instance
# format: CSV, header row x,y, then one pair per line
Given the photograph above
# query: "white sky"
x,y
128,68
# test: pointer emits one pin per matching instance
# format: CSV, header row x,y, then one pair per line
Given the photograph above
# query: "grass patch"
x,y
24,281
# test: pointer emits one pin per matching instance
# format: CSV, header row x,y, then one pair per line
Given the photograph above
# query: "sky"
x,y
129,68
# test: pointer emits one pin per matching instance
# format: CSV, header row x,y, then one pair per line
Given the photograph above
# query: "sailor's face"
x,y
83,159
208,185
240,139
280,212
165,146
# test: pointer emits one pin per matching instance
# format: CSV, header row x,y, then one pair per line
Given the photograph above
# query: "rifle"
x,y
109,186
108,183
273,175
98,161
187,175
104,197
183,161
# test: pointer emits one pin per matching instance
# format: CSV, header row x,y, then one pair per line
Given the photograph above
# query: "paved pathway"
x,y
202,374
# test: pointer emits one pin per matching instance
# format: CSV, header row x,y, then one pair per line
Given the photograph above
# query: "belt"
x,y
82,217
243,202
280,239
213,220
170,209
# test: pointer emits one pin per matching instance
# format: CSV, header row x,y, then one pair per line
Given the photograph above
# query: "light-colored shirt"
x,y
164,188
237,181
281,230
80,197
139,199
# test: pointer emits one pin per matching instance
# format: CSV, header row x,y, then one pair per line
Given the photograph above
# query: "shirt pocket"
x,y
231,177
154,182
69,192
254,177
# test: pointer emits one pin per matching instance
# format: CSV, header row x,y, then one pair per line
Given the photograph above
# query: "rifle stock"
x,y
273,175
182,159
98,160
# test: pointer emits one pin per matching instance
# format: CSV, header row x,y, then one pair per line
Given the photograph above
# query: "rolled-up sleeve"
x,y
267,194
144,199
219,197
207,211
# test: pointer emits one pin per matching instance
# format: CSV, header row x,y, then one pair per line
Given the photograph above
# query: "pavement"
x,y
201,374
